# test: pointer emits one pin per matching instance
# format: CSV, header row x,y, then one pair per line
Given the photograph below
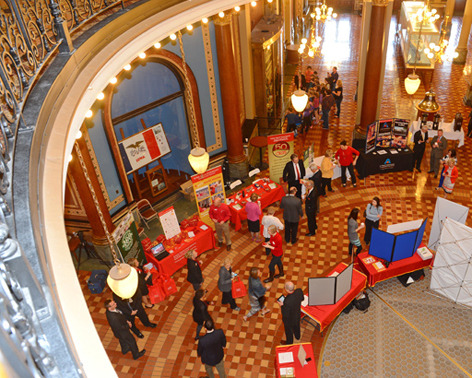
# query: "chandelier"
x,y
313,44
323,12
443,51
426,14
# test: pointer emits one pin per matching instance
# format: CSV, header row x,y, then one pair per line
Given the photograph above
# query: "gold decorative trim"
x,y
380,3
98,172
77,207
221,21
212,86
237,56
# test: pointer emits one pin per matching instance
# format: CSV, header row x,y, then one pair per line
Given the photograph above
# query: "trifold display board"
x,y
390,247
329,290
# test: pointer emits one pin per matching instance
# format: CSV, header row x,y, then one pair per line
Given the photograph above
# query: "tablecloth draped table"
x,y
394,269
201,242
448,132
266,198
324,315
373,162
306,371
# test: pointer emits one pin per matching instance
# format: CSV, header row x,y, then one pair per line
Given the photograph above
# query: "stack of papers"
x,y
204,227
237,206
285,357
378,266
272,185
424,253
287,372
368,260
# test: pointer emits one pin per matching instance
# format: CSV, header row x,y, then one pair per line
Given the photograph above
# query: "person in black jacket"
x,y
194,274
120,327
200,311
131,308
420,138
293,172
291,311
144,280
211,350
311,207
225,284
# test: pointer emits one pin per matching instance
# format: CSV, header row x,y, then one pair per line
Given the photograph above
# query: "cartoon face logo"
x,y
280,149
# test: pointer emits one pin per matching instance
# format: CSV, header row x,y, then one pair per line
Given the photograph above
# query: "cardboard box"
x,y
187,190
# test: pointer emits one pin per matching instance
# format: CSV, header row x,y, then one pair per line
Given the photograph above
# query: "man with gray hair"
x,y
291,312
311,207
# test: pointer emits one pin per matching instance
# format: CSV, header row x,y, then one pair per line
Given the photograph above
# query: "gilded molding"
x,y
222,21
76,208
380,3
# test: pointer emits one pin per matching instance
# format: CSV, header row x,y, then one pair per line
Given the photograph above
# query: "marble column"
x,y
465,31
230,97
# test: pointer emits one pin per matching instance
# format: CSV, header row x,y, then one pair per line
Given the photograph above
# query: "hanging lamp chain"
x,y
96,203
188,94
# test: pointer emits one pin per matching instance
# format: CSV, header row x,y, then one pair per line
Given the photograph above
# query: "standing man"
x,y
275,244
292,207
211,350
293,119
291,312
326,105
120,327
220,214
346,161
311,207
293,172
333,76
420,138
438,145
317,179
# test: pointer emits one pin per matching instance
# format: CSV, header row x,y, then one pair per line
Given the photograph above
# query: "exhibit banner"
x,y
384,133
127,239
207,186
308,155
142,148
371,137
400,132
280,147
169,222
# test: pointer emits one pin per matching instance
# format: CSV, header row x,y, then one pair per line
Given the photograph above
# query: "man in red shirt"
x,y
344,156
275,244
220,214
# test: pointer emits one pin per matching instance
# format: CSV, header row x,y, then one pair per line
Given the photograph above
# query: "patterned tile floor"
x,y
171,349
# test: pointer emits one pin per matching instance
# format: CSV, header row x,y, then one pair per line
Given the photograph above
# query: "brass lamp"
x,y
429,103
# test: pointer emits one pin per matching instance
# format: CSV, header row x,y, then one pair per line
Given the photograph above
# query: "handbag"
x,y
167,284
156,294
237,288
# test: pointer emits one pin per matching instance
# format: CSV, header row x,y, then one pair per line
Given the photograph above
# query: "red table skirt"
x,y
324,315
265,197
201,242
394,269
306,371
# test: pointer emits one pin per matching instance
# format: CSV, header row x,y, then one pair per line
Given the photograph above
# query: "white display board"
x,y
452,269
445,209
405,226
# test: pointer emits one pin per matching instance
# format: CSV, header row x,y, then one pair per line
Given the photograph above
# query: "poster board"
x,y
308,155
207,186
127,239
400,132
143,148
371,137
280,147
384,133
169,222
329,290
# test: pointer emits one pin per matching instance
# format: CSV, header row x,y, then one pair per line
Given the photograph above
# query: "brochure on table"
x,y
280,147
169,222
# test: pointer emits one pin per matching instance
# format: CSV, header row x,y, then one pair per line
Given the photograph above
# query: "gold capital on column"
x,y
380,3
221,21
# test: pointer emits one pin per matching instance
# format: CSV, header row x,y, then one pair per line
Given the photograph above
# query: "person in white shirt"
x,y
270,220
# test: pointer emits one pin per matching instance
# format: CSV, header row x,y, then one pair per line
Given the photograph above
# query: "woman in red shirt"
x,y
345,157
274,244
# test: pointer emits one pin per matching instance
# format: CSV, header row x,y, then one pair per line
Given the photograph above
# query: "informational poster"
x,y
169,222
141,149
400,132
208,186
384,133
308,155
127,239
371,137
280,148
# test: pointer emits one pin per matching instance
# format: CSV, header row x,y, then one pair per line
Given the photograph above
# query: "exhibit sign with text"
x,y
127,239
371,137
400,132
169,222
384,133
207,186
280,148
143,148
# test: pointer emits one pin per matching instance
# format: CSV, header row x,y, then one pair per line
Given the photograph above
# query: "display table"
x,y
266,195
448,132
308,370
373,162
324,315
365,263
201,242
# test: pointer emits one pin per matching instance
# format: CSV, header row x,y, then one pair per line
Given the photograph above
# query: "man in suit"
x,y
120,327
311,207
131,308
420,138
294,171
291,312
211,349
292,207
438,146
316,178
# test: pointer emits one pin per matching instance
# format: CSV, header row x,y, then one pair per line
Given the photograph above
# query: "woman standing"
x,y
194,274
450,176
200,311
338,96
372,219
143,281
327,171
225,282
274,244
451,154
256,291
352,230
270,220
253,211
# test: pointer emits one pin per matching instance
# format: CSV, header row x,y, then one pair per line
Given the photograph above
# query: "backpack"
x,y
362,304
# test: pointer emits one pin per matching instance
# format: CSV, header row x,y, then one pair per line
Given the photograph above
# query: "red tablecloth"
x,y
394,269
201,242
266,198
306,371
324,315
